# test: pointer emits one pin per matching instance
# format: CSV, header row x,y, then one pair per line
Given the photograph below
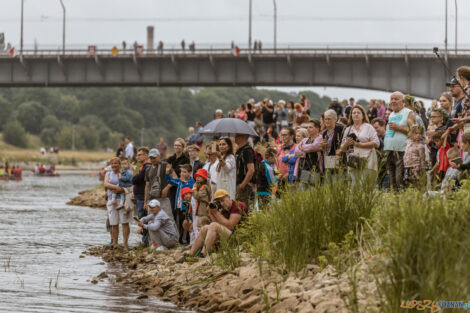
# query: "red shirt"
x,y
241,209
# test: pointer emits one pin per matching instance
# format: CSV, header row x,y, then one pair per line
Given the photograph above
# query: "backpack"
x,y
257,161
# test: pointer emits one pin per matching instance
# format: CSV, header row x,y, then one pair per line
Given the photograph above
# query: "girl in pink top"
x,y
287,146
414,159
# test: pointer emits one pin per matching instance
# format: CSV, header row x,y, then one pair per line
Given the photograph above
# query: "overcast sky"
x,y
217,22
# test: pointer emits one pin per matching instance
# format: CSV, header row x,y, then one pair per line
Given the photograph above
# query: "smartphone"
x,y
136,219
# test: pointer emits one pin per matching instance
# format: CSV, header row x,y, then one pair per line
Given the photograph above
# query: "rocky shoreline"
x,y
205,287
94,197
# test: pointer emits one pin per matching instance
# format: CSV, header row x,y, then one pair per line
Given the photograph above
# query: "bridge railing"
x,y
230,52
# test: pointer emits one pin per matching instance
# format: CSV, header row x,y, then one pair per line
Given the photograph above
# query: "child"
x,y
452,174
464,167
125,180
442,163
185,180
415,158
266,178
197,164
189,218
201,192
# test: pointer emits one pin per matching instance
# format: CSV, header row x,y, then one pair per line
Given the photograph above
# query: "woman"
x,y
331,136
286,146
372,111
290,113
116,217
360,141
241,112
226,168
446,102
291,159
308,151
176,160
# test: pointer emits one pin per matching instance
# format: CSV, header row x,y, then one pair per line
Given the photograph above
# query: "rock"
x,y
250,301
287,305
94,198
304,307
142,296
81,256
330,306
313,268
94,281
102,275
229,304
315,296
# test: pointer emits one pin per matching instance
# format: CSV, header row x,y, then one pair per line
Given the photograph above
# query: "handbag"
x,y
354,161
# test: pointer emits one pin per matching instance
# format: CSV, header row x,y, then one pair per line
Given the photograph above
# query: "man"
x,y
245,160
129,152
226,216
268,113
139,185
218,114
396,136
191,140
161,228
156,186
162,147
383,179
456,92
211,168
336,106
347,109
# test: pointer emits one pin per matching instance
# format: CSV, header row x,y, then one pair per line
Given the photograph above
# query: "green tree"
x,y
15,134
6,109
30,115
89,136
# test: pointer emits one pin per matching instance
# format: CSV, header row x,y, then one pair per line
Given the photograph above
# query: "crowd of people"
x,y
7,172
183,200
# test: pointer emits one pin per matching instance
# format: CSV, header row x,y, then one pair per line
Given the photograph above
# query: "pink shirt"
x,y
281,166
366,133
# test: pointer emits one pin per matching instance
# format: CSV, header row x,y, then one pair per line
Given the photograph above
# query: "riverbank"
x,y
94,197
252,287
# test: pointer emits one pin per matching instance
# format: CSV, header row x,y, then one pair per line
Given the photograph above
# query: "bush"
x,y
425,241
302,223
15,134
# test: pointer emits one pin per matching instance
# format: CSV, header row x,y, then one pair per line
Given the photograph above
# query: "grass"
x,y
416,246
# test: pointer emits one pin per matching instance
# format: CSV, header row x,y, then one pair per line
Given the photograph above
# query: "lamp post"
x,y
456,26
63,27
275,25
249,27
21,32
445,40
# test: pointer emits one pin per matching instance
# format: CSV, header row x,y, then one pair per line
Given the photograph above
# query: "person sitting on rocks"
x,y
226,214
162,230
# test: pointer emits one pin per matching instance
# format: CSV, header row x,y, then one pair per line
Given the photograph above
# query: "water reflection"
x,y
41,240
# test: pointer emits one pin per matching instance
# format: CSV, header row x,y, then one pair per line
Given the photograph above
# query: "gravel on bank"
x,y
204,287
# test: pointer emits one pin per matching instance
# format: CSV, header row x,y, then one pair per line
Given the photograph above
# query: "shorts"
x,y
117,217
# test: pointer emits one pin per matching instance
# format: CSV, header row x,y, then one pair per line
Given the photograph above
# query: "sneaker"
x,y
161,248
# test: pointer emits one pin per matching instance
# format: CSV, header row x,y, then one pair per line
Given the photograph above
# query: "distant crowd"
x,y
184,200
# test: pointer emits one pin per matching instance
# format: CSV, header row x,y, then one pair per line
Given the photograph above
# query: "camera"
x,y
353,137
215,205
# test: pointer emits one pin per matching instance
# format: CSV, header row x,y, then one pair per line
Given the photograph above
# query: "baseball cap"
x,y
154,203
452,82
154,153
220,193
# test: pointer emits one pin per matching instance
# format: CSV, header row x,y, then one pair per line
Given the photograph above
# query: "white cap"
x,y
154,203
153,153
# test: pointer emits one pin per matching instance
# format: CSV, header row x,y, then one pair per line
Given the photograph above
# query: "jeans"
x,y
396,169
141,212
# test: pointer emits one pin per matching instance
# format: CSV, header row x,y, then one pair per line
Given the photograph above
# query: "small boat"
x,y
13,178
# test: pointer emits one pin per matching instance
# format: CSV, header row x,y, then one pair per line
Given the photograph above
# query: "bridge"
x,y
414,71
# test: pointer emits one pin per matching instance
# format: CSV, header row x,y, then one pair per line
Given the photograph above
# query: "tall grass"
x,y
304,222
426,244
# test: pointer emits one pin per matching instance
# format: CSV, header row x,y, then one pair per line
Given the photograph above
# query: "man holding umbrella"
x,y
245,160
245,156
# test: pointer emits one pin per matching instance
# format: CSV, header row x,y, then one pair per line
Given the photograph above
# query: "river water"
x,y
41,240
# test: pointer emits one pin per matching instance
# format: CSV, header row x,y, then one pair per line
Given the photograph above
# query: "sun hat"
x,y
154,203
185,190
220,193
201,172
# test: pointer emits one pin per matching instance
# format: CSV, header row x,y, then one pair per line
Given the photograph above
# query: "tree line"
x,y
101,117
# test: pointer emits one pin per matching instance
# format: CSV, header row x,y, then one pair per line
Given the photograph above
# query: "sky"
x,y
301,23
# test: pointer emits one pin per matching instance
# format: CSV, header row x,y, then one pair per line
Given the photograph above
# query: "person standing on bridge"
x,y
160,47
400,120
182,44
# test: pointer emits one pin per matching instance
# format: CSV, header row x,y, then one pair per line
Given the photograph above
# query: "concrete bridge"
x,y
414,71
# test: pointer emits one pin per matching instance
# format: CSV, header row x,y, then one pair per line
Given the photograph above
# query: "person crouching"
x,y
162,230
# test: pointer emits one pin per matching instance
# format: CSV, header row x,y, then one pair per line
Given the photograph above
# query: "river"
x,y
41,242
